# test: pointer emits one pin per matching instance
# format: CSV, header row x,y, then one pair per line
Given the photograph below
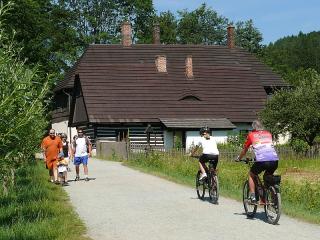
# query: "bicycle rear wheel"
x,y
200,187
273,205
214,189
249,208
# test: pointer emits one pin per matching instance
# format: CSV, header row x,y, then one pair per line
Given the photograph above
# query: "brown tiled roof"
x,y
121,84
219,123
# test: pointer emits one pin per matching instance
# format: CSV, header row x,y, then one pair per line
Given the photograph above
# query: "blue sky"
x,y
274,18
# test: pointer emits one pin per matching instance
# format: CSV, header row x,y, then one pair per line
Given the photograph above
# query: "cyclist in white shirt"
x,y
210,151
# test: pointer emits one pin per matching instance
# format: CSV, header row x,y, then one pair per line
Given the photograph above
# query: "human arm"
x,y
194,150
70,151
60,147
43,148
90,149
89,146
246,146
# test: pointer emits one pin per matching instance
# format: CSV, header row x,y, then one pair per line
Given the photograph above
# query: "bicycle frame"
x,y
267,193
258,184
210,183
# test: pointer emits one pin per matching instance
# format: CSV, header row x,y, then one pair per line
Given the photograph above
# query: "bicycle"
x,y
211,183
267,194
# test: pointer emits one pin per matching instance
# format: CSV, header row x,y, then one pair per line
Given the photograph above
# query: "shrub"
x,y
22,109
299,146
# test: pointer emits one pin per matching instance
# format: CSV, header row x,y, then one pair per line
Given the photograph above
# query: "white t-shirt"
x,y
81,147
209,146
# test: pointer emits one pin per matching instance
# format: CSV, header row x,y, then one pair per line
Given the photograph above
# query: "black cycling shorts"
x,y
209,157
269,166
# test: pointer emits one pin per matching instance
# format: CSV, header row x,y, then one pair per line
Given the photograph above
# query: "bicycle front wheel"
x,y
273,205
249,207
200,187
214,189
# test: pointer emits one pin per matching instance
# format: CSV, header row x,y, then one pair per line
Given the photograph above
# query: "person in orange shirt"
x,y
52,146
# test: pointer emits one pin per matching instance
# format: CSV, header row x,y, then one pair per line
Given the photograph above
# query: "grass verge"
x,y
36,209
300,195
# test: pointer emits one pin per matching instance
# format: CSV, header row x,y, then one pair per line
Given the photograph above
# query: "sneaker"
x,y
65,184
77,178
202,177
252,197
86,179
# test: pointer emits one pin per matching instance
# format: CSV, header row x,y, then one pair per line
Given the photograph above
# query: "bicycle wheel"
x,y
214,189
249,208
273,205
200,186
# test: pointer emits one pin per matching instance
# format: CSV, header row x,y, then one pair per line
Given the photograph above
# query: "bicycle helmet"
x,y
203,130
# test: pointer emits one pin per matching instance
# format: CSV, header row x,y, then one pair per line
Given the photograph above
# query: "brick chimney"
x,y
189,67
126,34
230,36
156,33
161,63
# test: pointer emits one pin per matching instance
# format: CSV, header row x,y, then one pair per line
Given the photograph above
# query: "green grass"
x,y
300,188
36,209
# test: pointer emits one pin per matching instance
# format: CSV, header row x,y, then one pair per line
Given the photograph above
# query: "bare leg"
x,y
203,171
251,182
77,170
65,176
55,174
51,175
85,169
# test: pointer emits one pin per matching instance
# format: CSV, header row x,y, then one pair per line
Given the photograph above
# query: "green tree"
x,y
248,36
141,14
296,110
201,26
43,30
168,27
291,53
54,33
100,21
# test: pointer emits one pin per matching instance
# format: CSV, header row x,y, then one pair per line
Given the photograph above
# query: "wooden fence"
x,y
230,154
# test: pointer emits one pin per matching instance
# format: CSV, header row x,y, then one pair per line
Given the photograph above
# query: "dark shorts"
x,y
209,157
270,167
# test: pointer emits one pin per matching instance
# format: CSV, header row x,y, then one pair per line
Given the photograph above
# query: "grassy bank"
x,y
36,209
300,187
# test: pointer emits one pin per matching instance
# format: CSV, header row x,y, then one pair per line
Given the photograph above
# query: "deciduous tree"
x,y
296,110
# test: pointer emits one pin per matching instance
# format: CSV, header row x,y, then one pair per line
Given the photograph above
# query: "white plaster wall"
x,y
62,127
192,138
221,136
168,140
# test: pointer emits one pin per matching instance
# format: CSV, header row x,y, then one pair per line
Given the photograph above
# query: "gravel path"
x,y
121,203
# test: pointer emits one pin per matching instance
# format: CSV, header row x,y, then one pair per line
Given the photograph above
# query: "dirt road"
x,y
121,203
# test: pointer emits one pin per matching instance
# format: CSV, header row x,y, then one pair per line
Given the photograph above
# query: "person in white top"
x,y
81,151
210,151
